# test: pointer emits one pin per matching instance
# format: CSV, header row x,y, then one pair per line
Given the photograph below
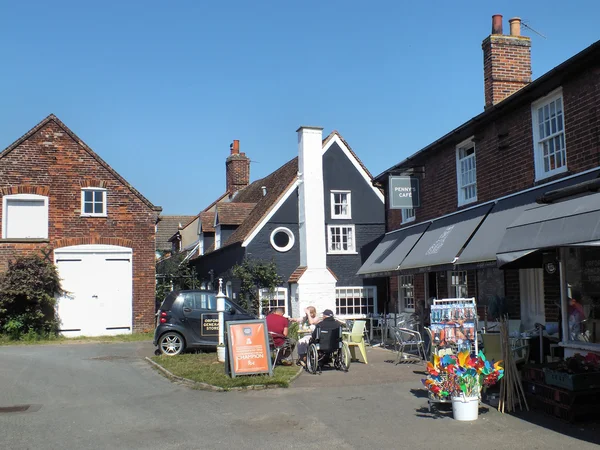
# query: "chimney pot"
x,y
497,24
515,26
235,147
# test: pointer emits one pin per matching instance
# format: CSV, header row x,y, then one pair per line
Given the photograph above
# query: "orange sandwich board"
x,y
248,344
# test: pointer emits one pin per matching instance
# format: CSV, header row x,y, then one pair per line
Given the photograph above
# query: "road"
x,y
96,396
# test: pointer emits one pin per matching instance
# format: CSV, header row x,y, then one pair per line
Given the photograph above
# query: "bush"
x,y
28,291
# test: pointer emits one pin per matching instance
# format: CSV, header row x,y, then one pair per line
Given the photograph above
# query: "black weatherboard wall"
x,y
368,217
261,248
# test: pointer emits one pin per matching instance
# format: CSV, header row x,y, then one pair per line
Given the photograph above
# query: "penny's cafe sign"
x,y
403,192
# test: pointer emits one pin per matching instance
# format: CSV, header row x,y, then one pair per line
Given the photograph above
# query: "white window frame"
x,y
408,215
538,152
217,236
351,249
279,294
348,214
229,290
356,292
201,244
23,197
290,236
453,289
463,188
104,201
406,283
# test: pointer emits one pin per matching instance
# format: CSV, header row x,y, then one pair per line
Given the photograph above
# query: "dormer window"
x,y
201,245
93,202
341,206
217,237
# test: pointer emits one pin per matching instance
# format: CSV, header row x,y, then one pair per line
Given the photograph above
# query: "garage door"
x,y
98,284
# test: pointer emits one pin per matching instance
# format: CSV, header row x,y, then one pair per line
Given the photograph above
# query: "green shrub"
x,y
28,291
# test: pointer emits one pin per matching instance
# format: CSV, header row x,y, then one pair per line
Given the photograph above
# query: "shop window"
x,y
550,150
407,292
458,284
583,289
355,301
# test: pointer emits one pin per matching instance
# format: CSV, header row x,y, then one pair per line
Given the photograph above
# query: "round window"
x,y
282,239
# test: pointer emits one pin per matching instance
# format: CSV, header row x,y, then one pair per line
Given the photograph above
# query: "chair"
x,y
356,338
279,352
409,338
327,346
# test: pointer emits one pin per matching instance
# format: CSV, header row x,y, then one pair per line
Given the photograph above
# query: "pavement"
x,y
96,396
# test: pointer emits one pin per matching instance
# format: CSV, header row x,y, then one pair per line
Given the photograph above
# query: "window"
x,y
282,239
407,292
93,202
458,284
199,300
271,300
228,289
360,300
408,215
466,172
550,151
341,239
25,216
217,237
201,245
341,205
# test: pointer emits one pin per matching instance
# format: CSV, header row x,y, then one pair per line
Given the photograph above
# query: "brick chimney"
x,y
506,61
237,169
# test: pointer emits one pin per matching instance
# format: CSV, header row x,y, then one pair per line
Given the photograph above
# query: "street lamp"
x,y
221,309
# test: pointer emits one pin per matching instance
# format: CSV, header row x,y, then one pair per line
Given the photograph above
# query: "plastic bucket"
x,y
465,408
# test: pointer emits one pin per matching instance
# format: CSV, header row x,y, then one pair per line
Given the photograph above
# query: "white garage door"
x,y
98,284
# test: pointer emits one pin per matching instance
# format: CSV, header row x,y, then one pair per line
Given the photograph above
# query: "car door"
x,y
192,314
209,318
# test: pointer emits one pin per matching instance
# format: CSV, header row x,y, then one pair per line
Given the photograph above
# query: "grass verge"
x,y
29,340
204,368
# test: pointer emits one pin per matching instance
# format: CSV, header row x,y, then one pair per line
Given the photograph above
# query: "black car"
x,y
189,320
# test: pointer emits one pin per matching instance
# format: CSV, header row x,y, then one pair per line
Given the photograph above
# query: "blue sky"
x,y
159,89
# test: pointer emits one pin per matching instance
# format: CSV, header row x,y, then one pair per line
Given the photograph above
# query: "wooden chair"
x,y
356,338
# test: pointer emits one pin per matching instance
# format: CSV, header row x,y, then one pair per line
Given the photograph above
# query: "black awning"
x,y
571,222
444,240
391,251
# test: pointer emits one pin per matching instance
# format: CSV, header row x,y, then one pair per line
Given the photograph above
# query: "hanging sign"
x,y
404,192
248,344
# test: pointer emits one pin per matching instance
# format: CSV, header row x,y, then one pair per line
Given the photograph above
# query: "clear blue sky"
x,y
159,89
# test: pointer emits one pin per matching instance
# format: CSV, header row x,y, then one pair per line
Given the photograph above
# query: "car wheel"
x,y
171,344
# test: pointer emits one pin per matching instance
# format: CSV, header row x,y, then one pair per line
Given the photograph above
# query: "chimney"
x,y
506,61
237,169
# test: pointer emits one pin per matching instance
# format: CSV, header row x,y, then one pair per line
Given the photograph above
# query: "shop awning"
x,y
571,222
391,251
444,240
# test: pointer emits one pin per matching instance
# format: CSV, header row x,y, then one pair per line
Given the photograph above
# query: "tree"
x,y
173,273
28,292
255,275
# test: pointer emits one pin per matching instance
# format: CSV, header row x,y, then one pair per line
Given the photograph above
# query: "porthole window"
x,y
282,239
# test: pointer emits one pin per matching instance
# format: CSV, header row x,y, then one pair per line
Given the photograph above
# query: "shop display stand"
x,y
446,314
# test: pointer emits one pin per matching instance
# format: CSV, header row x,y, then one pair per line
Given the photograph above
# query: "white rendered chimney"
x,y
316,286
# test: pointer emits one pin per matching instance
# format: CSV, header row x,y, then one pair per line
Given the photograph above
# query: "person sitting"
x,y
309,320
327,323
278,326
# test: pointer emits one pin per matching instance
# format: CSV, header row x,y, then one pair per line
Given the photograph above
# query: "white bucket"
x,y
465,408
220,354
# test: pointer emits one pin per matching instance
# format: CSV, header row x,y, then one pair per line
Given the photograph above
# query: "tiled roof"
x,y
167,227
210,208
233,213
208,221
297,274
276,183
53,118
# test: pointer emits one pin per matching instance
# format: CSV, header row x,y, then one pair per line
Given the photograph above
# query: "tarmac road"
x,y
96,396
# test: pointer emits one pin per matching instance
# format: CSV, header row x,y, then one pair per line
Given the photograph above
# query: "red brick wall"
x,y
54,163
237,169
504,152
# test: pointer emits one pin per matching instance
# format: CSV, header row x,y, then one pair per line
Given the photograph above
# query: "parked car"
x,y
189,320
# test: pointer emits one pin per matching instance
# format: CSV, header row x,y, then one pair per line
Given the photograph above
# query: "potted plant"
x,y
460,378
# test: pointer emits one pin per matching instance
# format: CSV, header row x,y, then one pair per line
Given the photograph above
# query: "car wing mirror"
x,y
231,310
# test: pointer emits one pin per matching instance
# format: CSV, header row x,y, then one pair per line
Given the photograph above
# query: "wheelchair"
x,y
325,348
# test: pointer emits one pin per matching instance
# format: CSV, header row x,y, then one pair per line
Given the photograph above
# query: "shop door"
x,y
531,282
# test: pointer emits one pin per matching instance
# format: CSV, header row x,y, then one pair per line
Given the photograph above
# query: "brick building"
x,y
482,184
62,201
